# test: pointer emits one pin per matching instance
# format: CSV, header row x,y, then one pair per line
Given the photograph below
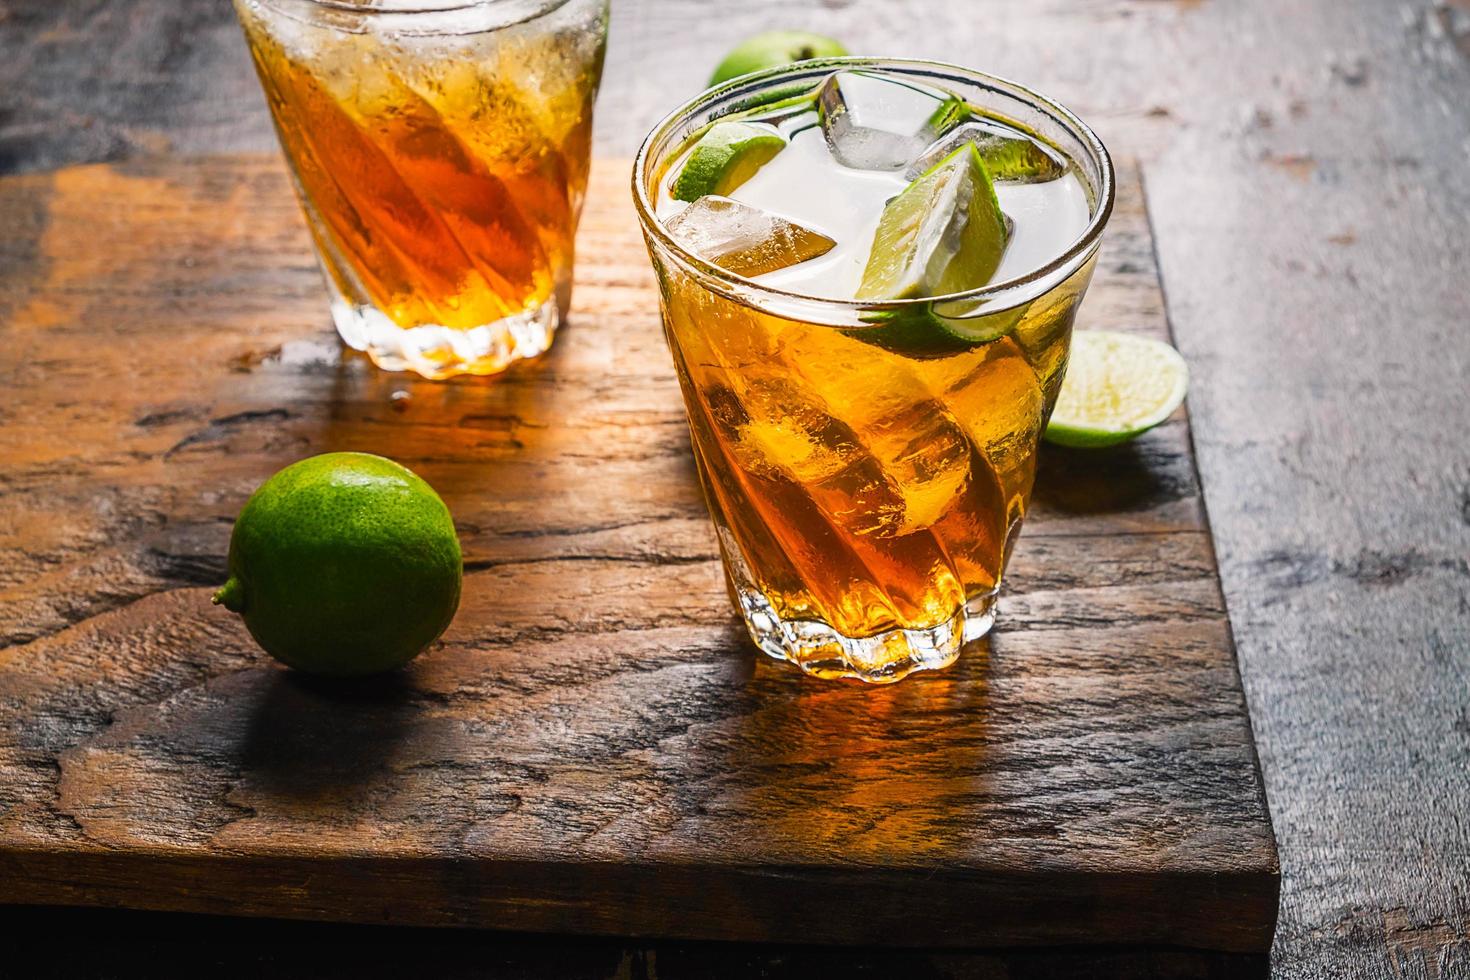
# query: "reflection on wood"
x,y
593,746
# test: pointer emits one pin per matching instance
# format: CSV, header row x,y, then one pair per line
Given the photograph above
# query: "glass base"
x,y
436,351
883,658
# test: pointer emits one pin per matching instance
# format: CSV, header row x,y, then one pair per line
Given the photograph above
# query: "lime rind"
x,y
726,156
983,328
921,332
1117,387
908,259
951,112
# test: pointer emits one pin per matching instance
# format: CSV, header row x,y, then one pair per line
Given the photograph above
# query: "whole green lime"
x,y
344,564
775,48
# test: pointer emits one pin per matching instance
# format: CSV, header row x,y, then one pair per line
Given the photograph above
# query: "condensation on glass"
x,y
867,485
440,150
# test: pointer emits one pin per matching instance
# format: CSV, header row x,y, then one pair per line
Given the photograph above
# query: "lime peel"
x,y
943,233
1117,387
774,48
344,564
726,156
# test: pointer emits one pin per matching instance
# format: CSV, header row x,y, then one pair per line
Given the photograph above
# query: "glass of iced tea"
x,y
869,271
440,151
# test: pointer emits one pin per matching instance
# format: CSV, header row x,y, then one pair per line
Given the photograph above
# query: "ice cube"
x,y
744,240
917,451
877,123
1008,155
885,465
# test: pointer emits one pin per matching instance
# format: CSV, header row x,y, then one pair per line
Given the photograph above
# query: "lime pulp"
x,y
1118,386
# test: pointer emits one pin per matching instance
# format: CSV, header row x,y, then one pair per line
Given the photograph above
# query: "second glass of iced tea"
x,y
440,149
869,271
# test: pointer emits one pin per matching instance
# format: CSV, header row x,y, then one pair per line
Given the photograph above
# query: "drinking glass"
x,y
866,498
440,151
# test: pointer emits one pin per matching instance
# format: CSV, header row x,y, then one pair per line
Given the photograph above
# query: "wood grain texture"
x,y
593,747
1305,163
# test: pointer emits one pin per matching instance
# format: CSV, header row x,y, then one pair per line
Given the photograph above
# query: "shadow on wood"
x,y
593,746
311,738
1104,481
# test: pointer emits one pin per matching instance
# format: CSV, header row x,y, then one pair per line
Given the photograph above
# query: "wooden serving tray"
x,y
594,746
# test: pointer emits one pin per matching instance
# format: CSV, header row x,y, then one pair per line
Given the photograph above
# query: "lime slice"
x,y
1019,160
944,233
1117,387
726,156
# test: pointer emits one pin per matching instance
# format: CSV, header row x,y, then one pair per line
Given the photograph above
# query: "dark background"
x,y
1307,166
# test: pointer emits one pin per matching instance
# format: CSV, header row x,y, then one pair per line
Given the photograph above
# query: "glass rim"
x,y
407,8
1078,249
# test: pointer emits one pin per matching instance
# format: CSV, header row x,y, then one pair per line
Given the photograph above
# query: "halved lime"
x,y
726,156
944,233
1118,386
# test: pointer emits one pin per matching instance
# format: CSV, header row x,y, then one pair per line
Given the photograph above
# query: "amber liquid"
x,y
871,489
442,178
859,487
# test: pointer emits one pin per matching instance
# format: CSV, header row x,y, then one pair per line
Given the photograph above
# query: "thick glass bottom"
x,y
437,352
822,651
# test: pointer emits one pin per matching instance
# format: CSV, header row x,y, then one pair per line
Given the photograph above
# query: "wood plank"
x,y
593,747
1306,166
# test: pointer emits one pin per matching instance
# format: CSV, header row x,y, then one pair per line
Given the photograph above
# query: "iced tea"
x,y
866,425
441,157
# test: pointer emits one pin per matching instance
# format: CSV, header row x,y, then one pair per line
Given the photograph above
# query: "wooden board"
x,y
1290,244
594,747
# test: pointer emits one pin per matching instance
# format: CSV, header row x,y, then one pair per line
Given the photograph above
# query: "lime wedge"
x,y
726,156
1117,387
944,233
1020,160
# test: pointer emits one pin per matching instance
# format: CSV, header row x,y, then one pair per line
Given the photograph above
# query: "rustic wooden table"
x,y
1307,167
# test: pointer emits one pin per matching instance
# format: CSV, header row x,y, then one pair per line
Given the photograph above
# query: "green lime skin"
x,y
922,333
344,564
726,156
772,49
942,234
917,229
